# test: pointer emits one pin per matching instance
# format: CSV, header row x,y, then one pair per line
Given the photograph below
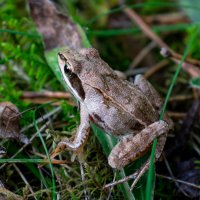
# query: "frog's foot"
x,y
133,147
66,145
76,143
58,150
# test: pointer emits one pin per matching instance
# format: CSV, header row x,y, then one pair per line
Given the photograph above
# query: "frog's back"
x,y
131,99
119,106
121,94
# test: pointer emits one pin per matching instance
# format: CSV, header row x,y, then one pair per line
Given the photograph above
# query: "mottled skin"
x,y
119,107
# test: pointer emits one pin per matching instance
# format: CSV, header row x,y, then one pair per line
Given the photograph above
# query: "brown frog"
x,y
130,111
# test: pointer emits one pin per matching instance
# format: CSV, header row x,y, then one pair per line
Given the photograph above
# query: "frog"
x,y
126,110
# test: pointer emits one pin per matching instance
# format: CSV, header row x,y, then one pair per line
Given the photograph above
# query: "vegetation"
x,y
28,66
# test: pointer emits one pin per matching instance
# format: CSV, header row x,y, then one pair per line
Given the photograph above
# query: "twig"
x,y
156,68
140,56
177,115
46,100
190,68
172,175
132,72
24,179
110,191
46,96
167,18
179,181
145,28
181,98
132,176
191,63
177,57
41,119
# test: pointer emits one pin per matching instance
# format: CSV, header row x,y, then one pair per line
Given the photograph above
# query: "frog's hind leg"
x,y
149,92
152,95
132,147
159,148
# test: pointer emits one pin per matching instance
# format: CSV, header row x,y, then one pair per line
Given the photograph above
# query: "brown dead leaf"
x,y
9,122
56,29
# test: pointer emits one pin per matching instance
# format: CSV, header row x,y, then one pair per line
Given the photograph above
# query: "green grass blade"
x,y
108,142
141,5
157,29
195,82
46,151
21,160
151,168
20,33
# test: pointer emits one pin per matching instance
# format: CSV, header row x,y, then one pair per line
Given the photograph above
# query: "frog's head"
x,y
77,62
70,66
74,66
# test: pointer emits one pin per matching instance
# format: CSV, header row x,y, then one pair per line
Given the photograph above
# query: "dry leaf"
x,y
9,122
56,29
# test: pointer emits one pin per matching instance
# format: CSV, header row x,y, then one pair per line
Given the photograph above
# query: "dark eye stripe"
x,y
75,82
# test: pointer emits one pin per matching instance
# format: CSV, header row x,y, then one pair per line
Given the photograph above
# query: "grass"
x,y
46,151
136,31
186,52
150,5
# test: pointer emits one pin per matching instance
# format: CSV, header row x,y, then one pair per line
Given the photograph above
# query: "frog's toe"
x,y
113,161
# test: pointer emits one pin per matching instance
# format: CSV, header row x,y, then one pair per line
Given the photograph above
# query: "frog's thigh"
x,y
149,92
132,147
152,95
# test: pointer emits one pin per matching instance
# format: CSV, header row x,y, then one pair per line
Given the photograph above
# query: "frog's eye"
x,y
66,69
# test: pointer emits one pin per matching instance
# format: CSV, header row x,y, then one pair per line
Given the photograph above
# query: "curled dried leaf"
x,y
9,122
56,29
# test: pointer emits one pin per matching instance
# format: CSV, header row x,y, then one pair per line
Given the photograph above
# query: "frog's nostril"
x,y
61,56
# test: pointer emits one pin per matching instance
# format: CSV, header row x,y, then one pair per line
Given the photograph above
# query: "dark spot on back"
x,y
97,117
137,127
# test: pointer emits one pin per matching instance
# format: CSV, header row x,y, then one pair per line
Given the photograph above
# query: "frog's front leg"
x,y
133,147
77,143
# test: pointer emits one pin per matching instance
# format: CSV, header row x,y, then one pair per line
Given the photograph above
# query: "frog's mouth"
x,y
74,83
